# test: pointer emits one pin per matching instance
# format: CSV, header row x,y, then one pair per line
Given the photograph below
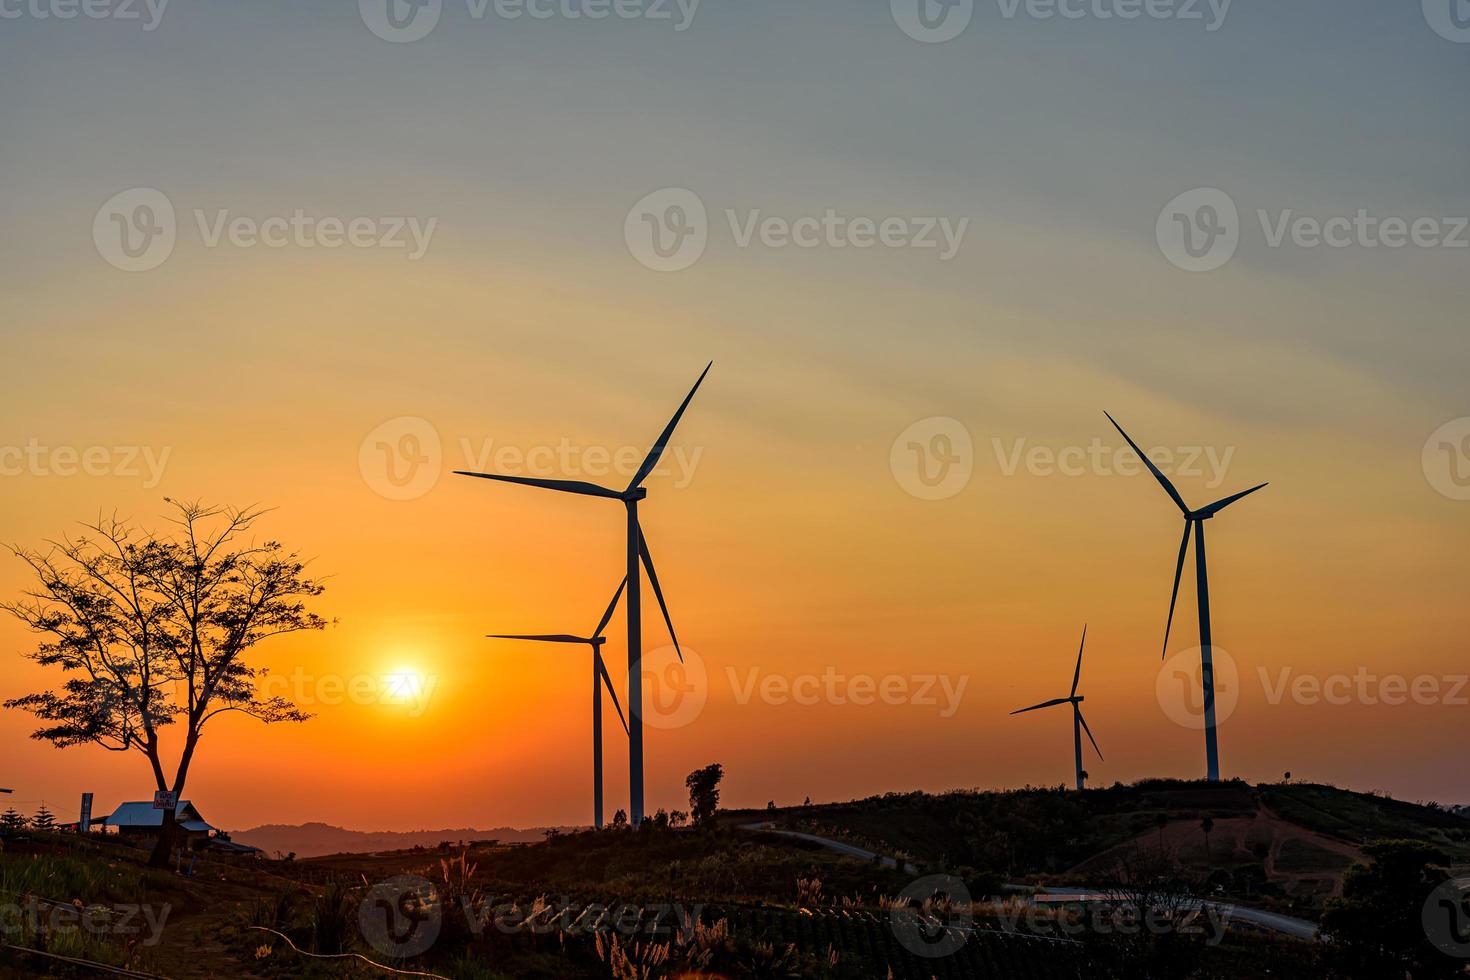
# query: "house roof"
x,y
143,815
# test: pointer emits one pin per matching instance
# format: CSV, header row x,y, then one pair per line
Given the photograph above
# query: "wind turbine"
x,y
599,678
637,551
1079,724
1194,519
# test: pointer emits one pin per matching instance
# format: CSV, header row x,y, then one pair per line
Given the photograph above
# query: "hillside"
x,y
319,839
609,905
1282,846
737,902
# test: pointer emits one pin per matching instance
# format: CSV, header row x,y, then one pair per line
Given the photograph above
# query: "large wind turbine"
x,y
637,552
1194,519
1079,724
599,678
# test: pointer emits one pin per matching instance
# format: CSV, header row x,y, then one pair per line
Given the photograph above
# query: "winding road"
x,y
1284,924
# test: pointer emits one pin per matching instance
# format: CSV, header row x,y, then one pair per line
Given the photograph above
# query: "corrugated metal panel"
x,y
143,815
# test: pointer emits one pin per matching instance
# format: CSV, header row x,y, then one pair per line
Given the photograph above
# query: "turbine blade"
x,y
658,592
1220,505
611,606
1158,474
565,486
663,440
1178,574
1089,734
1045,704
540,638
1077,674
602,669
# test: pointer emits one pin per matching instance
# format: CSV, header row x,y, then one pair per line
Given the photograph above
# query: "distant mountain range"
x,y
317,839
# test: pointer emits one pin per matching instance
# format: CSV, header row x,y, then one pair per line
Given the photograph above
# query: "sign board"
x,y
86,822
165,801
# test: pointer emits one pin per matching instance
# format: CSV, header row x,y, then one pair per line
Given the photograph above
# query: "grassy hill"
x,y
1278,845
737,903
318,839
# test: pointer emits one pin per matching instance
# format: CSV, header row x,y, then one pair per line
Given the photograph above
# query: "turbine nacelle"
x,y
1193,521
635,491
1203,513
579,487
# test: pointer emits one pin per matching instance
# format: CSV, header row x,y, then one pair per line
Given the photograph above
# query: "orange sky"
x,y
793,551
791,548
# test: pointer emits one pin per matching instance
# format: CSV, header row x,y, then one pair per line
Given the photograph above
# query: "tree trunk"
x,y
163,848
168,831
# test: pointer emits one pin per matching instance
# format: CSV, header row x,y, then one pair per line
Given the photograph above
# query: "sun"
x,y
403,685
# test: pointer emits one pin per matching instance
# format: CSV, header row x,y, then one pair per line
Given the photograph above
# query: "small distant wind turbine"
x,y
599,678
1194,519
637,551
1079,724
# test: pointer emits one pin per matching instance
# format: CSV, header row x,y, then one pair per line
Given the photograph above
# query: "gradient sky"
x,y
794,548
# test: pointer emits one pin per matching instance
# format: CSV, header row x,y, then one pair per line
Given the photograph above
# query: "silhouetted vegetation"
x,y
1377,928
150,631
704,792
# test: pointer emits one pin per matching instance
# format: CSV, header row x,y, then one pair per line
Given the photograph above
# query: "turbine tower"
x,y
637,552
599,678
1079,724
1194,520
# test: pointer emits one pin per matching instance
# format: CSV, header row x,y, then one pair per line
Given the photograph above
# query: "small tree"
x,y
1153,903
152,630
704,792
620,820
12,822
1207,825
44,820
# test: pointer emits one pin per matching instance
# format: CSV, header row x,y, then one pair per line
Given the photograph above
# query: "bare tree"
x,y
1155,911
152,631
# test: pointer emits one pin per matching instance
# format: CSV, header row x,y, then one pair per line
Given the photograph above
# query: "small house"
x,y
143,820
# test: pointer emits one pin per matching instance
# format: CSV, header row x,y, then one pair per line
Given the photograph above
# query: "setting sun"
x,y
403,686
